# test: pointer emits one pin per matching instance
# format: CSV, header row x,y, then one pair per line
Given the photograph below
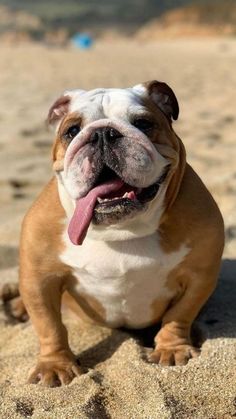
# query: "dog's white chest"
x,y
125,277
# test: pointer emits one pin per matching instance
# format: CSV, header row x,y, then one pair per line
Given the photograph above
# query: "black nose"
x,y
111,134
105,134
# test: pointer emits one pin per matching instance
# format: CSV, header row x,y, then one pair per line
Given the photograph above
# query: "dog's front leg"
x,y
173,344
56,364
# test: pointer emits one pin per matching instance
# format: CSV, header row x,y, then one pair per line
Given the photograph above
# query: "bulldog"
x,y
125,232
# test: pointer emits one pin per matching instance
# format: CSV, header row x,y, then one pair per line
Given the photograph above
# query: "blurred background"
x,y
55,22
49,46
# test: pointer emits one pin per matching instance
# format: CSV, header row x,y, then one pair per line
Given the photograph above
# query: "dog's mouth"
x,y
110,200
126,194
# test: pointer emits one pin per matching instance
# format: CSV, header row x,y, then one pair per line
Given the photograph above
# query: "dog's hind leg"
x,y
12,302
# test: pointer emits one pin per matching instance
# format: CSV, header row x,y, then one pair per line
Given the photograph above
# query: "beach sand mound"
x,y
202,20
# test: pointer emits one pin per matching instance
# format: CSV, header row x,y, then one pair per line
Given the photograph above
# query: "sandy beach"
x,y
119,382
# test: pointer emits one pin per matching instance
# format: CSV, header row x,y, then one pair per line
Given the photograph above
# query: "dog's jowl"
x,y
125,230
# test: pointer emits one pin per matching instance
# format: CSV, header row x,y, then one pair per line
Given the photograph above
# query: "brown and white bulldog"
x,y
125,228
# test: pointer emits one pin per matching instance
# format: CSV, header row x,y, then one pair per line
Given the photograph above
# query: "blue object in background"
x,y
82,41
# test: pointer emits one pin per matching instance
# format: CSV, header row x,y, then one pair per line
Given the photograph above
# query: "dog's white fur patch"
x,y
99,103
124,276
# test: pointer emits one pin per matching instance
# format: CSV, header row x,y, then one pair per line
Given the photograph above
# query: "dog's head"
x,y
115,152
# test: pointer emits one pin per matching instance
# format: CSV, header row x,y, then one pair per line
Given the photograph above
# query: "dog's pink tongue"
x,y
83,213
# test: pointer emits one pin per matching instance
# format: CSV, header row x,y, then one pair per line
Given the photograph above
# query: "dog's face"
x,y
114,150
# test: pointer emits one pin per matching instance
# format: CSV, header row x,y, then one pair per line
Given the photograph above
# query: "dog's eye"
x,y
143,124
72,132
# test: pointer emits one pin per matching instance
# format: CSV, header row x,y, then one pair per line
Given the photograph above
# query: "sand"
x,y
120,383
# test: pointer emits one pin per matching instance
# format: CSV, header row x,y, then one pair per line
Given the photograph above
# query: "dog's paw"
x,y
174,356
12,302
55,370
8,291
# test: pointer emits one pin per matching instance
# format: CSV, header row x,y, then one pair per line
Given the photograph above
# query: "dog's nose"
x,y
111,134
97,135
105,134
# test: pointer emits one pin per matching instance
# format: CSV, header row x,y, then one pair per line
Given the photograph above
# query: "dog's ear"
x,y
58,110
163,96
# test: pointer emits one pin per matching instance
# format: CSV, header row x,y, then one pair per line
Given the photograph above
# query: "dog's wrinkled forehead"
x,y
105,103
